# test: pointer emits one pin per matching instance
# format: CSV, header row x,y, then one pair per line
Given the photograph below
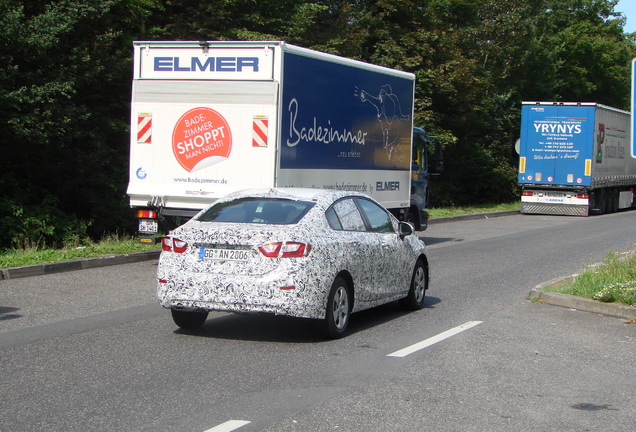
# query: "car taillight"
x,y
285,249
295,250
146,214
171,244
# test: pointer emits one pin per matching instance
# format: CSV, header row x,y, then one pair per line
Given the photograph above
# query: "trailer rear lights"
x,y
583,196
170,244
146,214
527,193
163,281
287,288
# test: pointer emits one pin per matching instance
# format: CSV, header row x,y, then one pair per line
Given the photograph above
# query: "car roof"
x,y
304,194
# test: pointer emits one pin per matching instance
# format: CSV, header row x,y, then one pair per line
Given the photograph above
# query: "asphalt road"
x,y
91,350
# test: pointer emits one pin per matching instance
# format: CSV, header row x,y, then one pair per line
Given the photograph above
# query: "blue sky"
x,y
628,8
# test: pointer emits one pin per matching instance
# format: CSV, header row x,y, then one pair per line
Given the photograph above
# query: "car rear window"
x,y
257,210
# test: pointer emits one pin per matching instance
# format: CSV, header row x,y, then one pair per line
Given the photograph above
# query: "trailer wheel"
x,y
597,205
607,201
612,200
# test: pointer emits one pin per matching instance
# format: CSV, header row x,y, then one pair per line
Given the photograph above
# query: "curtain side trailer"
x,y
575,159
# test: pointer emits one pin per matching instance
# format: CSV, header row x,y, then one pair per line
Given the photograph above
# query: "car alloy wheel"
x,y
419,283
338,309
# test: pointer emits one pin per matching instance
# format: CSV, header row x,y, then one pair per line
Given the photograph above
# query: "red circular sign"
x,y
201,138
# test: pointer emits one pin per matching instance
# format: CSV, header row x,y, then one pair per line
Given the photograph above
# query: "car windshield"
x,y
257,210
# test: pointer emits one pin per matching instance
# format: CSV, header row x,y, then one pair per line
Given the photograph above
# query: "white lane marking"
x,y
229,426
433,340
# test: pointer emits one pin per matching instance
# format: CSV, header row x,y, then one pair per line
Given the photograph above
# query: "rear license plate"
x,y
148,226
224,254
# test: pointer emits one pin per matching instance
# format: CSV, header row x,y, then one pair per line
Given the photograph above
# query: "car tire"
x,y
338,309
417,292
189,320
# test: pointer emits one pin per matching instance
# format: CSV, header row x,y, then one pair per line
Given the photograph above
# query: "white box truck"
x,y
210,118
575,159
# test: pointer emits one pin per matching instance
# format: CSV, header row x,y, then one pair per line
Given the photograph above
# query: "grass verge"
x,y
458,211
114,245
613,280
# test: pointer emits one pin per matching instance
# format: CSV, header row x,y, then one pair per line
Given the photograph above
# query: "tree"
x,y
63,118
562,50
65,85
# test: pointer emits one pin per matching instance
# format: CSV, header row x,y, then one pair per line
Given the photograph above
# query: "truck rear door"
x,y
206,123
556,145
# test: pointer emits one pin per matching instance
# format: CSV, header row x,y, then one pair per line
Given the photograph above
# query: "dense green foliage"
x,y
65,86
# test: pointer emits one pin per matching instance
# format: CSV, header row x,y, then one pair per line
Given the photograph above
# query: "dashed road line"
x,y
433,340
229,426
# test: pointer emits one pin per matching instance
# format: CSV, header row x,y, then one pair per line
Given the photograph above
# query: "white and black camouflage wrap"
x,y
379,264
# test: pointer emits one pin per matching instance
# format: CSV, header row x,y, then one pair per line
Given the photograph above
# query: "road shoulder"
x,y
82,264
618,310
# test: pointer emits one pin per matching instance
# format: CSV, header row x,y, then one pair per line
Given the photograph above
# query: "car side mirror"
x,y
405,229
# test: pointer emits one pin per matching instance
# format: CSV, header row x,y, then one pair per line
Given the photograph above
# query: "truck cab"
x,y
427,161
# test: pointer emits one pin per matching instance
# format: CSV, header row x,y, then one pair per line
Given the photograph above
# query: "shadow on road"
x,y
428,241
271,328
7,313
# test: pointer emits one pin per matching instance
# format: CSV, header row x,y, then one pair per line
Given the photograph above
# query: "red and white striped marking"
x,y
260,129
144,128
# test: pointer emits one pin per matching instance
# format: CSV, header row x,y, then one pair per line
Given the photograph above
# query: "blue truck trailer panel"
x,y
361,120
557,145
574,158
633,119
346,125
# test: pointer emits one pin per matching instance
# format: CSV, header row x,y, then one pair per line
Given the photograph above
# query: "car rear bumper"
x,y
285,295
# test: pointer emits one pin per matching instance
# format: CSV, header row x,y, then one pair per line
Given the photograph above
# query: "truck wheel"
x,y
599,201
611,201
607,201
411,217
338,309
419,284
189,320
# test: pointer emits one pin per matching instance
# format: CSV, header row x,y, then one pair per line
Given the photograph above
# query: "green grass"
x,y
613,280
482,208
113,245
